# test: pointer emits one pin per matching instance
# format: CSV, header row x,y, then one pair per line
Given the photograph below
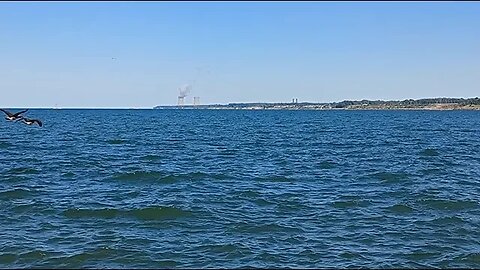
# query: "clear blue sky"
x,y
60,54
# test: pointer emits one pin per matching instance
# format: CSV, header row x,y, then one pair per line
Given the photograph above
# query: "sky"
x,y
138,54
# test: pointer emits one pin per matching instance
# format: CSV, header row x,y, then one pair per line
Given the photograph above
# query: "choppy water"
x,y
185,188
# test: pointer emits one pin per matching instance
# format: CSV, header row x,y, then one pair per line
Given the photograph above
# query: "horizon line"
x,y
252,102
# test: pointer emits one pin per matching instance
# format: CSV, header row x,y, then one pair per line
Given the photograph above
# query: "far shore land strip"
x,y
408,104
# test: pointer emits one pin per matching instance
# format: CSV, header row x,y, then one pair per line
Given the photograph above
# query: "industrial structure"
x,y
184,91
181,101
196,101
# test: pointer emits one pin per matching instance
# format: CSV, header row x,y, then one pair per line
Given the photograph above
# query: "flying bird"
x,y
30,121
13,116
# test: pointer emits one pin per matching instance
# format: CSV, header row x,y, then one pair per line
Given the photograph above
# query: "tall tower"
x,y
181,101
183,92
196,101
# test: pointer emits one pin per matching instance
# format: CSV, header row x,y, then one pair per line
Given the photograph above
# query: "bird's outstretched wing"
x,y
20,118
30,121
7,113
38,122
18,113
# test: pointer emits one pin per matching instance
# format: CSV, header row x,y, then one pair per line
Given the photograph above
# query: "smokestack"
x,y
196,101
184,91
181,101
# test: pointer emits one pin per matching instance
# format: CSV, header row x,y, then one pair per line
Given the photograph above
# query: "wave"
x,y
429,152
117,141
35,255
419,254
91,213
473,258
4,145
151,157
244,227
263,202
230,249
15,178
442,204
139,175
68,174
389,177
159,212
148,213
274,178
167,178
325,165
97,253
16,193
23,170
430,171
202,175
7,258
166,263
346,204
228,152
351,255
250,194
401,209
448,220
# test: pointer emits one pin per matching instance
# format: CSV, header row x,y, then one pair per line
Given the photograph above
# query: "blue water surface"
x,y
230,189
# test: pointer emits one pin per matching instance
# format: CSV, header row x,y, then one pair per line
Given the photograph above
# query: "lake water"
x,y
206,188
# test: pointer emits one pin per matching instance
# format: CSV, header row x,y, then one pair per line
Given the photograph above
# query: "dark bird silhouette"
x,y
30,121
13,116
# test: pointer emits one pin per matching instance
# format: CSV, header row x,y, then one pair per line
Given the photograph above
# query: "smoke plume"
x,y
184,90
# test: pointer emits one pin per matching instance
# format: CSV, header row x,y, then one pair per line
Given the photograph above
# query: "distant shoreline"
x,y
408,104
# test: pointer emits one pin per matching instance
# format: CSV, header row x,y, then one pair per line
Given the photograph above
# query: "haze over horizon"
x,y
138,54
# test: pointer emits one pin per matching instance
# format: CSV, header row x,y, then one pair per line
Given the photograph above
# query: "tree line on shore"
x,y
408,102
390,103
